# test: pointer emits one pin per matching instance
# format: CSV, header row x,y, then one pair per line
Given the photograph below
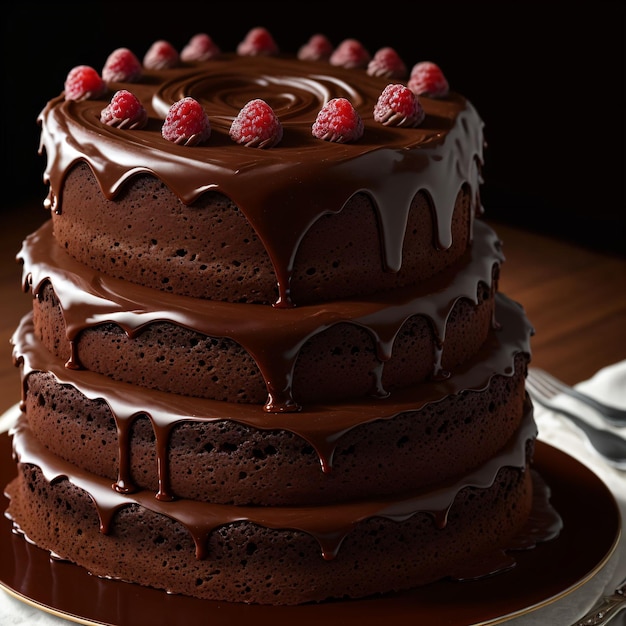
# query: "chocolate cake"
x,y
267,360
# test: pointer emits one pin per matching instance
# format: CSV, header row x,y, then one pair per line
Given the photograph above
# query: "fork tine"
x,y
546,381
606,442
539,385
549,386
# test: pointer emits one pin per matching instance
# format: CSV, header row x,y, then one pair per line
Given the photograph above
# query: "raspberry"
x,y
258,42
398,106
350,53
256,126
338,121
317,48
84,83
161,56
387,63
186,123
200,48
122,66
427,79
124,111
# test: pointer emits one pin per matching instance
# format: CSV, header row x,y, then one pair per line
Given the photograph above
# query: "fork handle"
x,y
602,408
603,612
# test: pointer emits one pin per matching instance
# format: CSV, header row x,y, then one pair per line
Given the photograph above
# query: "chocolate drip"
x,y
124,483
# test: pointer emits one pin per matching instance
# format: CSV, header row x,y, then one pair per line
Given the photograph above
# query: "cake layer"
x,y
255,354
208,450
231,553
305,221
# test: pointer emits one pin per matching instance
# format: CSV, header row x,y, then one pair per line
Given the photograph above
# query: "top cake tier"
x,y
307,220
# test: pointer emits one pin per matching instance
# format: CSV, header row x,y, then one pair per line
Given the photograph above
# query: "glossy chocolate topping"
x,y
273,336
281,191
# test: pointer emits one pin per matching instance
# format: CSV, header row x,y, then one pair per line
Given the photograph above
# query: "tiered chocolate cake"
x,y
267,360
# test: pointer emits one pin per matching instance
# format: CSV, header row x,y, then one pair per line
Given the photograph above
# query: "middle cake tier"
x,y
259,354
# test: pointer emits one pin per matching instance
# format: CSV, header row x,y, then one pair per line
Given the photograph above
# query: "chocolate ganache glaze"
x,y
282,191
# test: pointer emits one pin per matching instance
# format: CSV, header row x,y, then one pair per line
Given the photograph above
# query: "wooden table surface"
x,y
574,297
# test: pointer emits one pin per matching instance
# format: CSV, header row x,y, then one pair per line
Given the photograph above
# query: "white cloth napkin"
x,y
608,384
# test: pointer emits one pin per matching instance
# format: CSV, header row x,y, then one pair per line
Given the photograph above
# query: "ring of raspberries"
x,y
257,125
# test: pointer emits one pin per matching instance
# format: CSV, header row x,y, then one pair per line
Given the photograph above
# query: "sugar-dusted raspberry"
x,y
387,62
84,83
124,111
258,42
256,126
122,66
338,121
200,47
317,48
427,79
161,56
398,106
350,53
186,123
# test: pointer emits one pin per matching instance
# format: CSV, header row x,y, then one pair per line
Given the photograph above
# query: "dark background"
x,y
547,79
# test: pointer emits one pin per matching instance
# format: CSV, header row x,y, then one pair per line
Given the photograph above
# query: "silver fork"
x,y
553,386
606,608
608,444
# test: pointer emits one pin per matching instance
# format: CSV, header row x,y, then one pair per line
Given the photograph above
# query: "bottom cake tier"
x,y
276,555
